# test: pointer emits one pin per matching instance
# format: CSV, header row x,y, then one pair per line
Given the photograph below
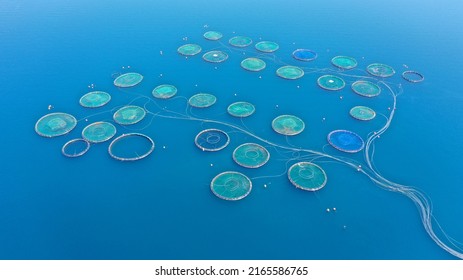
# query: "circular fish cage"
x,y
346,141
331,82
251,155
212,140
307,176
128,80
95,99
231,185
75,148
344,62
131,147
55,124
288,125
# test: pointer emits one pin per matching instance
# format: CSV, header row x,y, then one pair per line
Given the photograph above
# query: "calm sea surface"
x,y
161,207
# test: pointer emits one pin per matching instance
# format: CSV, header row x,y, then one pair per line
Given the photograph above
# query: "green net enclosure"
x,y
253,64
164,91
241,109
290,72
98,132
380,70
213,35
231,185
251,155
267,46
366,88
55,124
307,176
189,49
95,99
202,100
362,113
130,114
344,62
288,125
215,56
240,41
331,82
128,80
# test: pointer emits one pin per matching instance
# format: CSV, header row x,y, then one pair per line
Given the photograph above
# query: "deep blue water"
x,y
161,207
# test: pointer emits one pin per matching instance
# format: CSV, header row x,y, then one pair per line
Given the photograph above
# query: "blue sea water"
x,y
94,207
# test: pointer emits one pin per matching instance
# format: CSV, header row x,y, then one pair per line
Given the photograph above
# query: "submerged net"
x,y
288,125
231,185
344,62
202,100
75,148
164,91
366,88
307,176
128,80
290,72
95,99
380,70
241,109
346,141
215,56
55,124
99,132
189,49
212,140
267,46
331,82
129,115
240,41
253,64
213,35
304,55
131,147
413,76
251,155
362,113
